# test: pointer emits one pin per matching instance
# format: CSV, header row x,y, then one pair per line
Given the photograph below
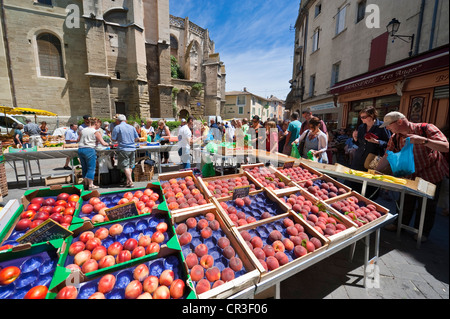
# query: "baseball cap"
x,y
183,120
121,117
391,118
86,117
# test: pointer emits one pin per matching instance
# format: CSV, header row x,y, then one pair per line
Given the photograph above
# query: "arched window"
x,y
173,46
50,55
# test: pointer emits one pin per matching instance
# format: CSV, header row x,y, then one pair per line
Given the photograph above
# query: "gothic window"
x,y
50,55
173,46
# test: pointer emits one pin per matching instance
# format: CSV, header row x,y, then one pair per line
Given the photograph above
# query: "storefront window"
x,y
383,104
330,120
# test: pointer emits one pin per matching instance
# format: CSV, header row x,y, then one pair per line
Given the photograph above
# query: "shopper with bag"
x,y
293,133
429,148
313,141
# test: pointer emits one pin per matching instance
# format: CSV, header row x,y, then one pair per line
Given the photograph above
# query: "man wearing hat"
x,y
84,124
430,164
126,136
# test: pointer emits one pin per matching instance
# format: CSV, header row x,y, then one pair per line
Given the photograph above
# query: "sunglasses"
x,y
364,117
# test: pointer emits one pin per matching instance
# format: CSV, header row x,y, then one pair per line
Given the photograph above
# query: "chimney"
x,y
245,89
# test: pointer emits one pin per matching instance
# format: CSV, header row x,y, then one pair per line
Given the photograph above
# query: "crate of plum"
x,y
300,173
360,210
325,187
219,187
282,243
268,176
250,209
95,205
217,264
182,192
94,249
320,216
57,204
163,277
28,273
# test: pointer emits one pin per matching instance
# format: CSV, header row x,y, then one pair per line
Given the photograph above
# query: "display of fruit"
x,y
298,174
160,278
357,210
223,187
277,243
243,211
115,243
27,277
182,193
317,216
266,178
322,189
208,253
94,208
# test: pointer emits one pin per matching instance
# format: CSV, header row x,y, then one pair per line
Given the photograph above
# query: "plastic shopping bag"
x,y
402,163
295,153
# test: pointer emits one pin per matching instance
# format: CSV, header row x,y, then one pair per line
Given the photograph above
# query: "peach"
x,y
123,256
68,292
191,260
106,283
191,222
177,289
161,227
150,284
282,258
257,242
212,274
167,277
158,237
98,253
202,223
201,250
278,246
207,261
272,263
93,243
236,263
97,295
76,247
227,274
115,248
89,266
181,228
317,243
145,295
206,232
214,225
288,222
144,240
288,244
106,261
141,272
259,253
310,247
264,264
292,231
197,273
185,238
266,215
268,250
97,219
162,292
228,252
239,202
139,251
275,235
130,244
115,230
133,290
81,257
73,267
217,283
85,236
223,242
152,248
202,286
102,233
300,251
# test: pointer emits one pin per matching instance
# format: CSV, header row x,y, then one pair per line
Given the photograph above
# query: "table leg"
x,y
364,187
422,218
27,177
352,251
366,257
277,290
400,213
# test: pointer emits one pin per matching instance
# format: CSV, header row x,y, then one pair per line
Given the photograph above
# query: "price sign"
x,y
48,230
122,211
288,165
240,192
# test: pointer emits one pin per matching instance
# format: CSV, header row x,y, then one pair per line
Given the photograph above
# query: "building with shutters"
x,y
343,61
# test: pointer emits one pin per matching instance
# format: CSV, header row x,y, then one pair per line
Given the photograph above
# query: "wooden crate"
x,y
312,171
327,179
252,266
204,181
288,183
58,180
382,210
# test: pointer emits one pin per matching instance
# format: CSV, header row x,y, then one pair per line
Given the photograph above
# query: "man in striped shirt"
x,y
430,163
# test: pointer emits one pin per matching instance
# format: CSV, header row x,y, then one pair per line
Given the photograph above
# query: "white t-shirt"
x,y
87,139
184,134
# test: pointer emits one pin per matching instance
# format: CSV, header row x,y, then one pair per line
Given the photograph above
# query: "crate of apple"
x,y
94,207
324,188
320,216
160,278
117,242
250,209
212,254
182,193
269,177
27,277
300,173
60,208
278,243
223,187
361,211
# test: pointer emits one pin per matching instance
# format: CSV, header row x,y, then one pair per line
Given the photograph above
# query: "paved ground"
x,y
405,271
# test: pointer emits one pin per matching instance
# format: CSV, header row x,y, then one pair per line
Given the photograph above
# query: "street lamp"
x,y
392,29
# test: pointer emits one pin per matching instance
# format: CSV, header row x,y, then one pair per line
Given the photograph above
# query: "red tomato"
x,y
38,292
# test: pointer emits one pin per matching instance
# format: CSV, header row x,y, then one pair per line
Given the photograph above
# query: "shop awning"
x,y
25,110
407,68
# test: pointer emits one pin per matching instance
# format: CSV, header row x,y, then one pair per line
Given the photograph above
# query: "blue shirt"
x,y
294,127
71,135
125,134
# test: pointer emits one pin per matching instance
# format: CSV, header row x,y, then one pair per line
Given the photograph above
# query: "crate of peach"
x,y
163,277
217,264
268,177
219,187
320,216
262,205
360,210
93,249
95,205
299,173
182,191
325,187
281,243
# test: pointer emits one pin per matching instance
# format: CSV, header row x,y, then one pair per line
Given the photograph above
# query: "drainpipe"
x,y
419,27
7,53
433,24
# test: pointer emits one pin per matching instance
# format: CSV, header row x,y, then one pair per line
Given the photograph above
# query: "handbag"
x,y
370,161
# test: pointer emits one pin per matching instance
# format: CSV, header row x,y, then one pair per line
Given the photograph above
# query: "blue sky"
x,y
253,39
